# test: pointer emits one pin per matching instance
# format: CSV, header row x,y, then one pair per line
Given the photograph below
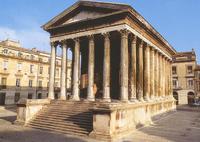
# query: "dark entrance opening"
x,y
115,65
39,96
17,97
175,95
98,70
190,97
2,98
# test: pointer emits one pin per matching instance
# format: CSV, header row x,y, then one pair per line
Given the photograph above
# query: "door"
x,y
2,98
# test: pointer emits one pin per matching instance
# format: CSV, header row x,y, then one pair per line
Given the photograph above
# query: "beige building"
x,y
24,73
183,75
197,81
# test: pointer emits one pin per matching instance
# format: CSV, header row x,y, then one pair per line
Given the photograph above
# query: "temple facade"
x,y
120,64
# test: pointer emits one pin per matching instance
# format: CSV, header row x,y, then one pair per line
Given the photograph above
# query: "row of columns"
x,y
149,80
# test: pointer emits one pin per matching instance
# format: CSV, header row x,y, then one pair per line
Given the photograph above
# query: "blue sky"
x,y
177,20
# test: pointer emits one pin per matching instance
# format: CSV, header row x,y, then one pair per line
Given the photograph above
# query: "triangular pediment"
x,y
83,15
83,10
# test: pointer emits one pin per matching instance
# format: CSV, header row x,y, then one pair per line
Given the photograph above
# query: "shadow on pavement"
x,y
178,127
35,136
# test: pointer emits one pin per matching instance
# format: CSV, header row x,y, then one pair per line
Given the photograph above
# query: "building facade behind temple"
x,y
24,73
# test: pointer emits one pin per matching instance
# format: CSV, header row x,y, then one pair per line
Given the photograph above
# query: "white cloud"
x,y
28,38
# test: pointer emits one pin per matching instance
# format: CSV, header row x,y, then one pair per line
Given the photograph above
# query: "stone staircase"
x,y
73,118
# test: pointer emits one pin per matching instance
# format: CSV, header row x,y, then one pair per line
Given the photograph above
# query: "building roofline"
x,y
125,7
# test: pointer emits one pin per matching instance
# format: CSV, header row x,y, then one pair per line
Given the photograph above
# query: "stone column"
x,y
140,70
106,69
133,69
91,54
159,76
147,73
170,80
52,71
156,77
124,66
168,77
63,70
76,70
152,92
163,75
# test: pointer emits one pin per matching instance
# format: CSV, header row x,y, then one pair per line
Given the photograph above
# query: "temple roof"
x,y
83,11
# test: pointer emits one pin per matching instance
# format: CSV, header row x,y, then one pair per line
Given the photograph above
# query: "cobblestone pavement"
x,y
181,126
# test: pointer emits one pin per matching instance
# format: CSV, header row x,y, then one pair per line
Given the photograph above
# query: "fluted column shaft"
x,y
141,76
52,71
76,70
124,66
147,73
63,71
133,69
164,72
156,76
90,92
106,69
152,92
159,76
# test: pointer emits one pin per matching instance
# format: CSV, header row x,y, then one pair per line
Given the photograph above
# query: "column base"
x,y
106,100
75,98
147,99
141,100
133,100
90,99
62,98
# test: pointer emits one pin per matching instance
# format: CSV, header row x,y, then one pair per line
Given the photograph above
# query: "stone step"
x,y
66,110
80,121
70,107
63,131
60,125
64,117
72,123
80,114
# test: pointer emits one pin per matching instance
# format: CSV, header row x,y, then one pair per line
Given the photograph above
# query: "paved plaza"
x,y
180,126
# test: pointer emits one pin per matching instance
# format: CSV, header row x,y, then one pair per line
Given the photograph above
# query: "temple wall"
x,y
113,121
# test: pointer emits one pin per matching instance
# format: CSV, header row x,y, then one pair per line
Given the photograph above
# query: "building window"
x,y
39,96
17,97
41,70
19,54
56,62
30,84
32,57
40,84
174,70
5,65
18,82
40,59
30,95
31,68
3,82
5,51
56,84
189,70
190,83
57,72
19,67
175,83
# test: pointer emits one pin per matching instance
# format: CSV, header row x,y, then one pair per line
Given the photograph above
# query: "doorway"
x,y
2,98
